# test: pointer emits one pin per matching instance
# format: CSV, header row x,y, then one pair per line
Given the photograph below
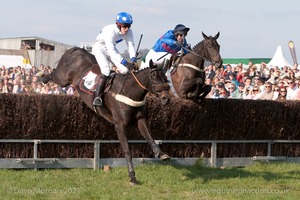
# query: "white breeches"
x,y
105,62
157,58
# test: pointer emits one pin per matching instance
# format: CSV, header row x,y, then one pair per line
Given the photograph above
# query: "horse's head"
x,y
212,49
159,82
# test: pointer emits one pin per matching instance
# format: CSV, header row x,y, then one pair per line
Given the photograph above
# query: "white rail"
x,y
95,163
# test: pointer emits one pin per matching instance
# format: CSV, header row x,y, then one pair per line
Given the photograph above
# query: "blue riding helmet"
x,y
181,29
124,18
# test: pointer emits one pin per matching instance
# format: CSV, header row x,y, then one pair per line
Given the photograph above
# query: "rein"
x,y
195,54
136,79
131,102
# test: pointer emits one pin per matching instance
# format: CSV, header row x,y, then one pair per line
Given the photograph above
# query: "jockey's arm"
x,y
112,50
130,44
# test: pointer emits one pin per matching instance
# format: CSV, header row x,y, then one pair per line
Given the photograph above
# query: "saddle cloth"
x,y
90,80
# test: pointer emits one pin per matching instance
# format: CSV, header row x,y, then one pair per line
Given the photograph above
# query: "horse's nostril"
x,y
164,100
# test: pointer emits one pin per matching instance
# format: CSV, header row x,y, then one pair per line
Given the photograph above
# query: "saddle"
x,y
174,61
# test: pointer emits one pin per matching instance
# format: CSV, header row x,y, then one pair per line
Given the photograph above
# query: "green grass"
x,y
261,181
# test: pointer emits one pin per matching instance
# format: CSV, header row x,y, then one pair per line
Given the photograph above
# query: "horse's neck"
x,y
135,86
196,59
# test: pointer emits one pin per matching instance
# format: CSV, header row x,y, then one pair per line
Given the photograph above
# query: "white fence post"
x,y
213,152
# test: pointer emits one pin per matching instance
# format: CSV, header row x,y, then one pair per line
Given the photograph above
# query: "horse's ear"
x,y
205,36
151,65
217,36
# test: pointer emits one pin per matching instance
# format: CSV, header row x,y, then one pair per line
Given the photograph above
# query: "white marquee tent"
x,y
279,59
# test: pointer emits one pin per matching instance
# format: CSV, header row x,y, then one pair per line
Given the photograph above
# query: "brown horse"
x,y
188,76
123,100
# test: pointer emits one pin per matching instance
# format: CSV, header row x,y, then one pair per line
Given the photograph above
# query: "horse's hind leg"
x,y
142,126
121,131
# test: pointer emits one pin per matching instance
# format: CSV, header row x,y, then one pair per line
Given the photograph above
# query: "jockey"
x,y
170,43
108,55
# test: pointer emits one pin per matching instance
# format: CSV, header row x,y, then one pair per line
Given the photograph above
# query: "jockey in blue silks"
x,y
167,45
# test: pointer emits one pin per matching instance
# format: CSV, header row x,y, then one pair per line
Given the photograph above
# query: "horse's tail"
x,y
48,77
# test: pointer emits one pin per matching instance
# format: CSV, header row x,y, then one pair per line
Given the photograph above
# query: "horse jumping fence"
x,y
97,162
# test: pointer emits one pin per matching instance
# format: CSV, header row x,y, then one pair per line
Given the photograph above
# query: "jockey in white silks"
x,y
106,53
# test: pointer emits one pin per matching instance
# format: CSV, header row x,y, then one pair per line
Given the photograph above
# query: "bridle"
x,y
156,88
197,68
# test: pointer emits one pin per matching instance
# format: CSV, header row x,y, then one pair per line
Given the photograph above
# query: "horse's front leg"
x,y
204,91
121,131
143,128
191,87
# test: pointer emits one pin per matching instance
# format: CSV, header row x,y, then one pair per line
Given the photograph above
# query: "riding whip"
x,y
163,56
137,53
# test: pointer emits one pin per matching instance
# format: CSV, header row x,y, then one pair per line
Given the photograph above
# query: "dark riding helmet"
x,y
181,29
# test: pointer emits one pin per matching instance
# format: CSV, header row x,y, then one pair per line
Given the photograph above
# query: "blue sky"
x,y
247,28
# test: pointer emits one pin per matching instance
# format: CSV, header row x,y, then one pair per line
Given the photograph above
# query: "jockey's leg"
x,y
166,63
100,88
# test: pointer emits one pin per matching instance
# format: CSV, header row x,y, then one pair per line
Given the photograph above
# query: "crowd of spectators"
x,y
230,81
254,82
20,80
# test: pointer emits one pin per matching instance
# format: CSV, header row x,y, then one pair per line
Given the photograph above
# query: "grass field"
x,y
261,181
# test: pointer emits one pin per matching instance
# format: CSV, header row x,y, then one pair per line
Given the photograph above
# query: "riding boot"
x,y
100,88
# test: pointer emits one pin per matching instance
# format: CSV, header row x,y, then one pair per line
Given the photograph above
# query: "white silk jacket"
x,y
110,36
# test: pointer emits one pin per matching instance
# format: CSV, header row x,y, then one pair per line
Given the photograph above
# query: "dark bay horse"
x,y
187,78
123,101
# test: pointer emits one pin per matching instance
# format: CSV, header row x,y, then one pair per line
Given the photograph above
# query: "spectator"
x,y
10,88
253,72
254,92
231,88
247,93
238,93
1,86
208,81
227,71
292,90
211,72
56,89
232,79
267,94
16,86
239,76
223,93
282,94
5,85
276,91
248,83
215,93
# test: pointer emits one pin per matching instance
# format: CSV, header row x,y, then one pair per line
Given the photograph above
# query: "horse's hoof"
x,y
165,157
189,95
133,182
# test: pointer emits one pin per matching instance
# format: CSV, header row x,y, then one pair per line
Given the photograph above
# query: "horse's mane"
x,y
197,45
141,70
